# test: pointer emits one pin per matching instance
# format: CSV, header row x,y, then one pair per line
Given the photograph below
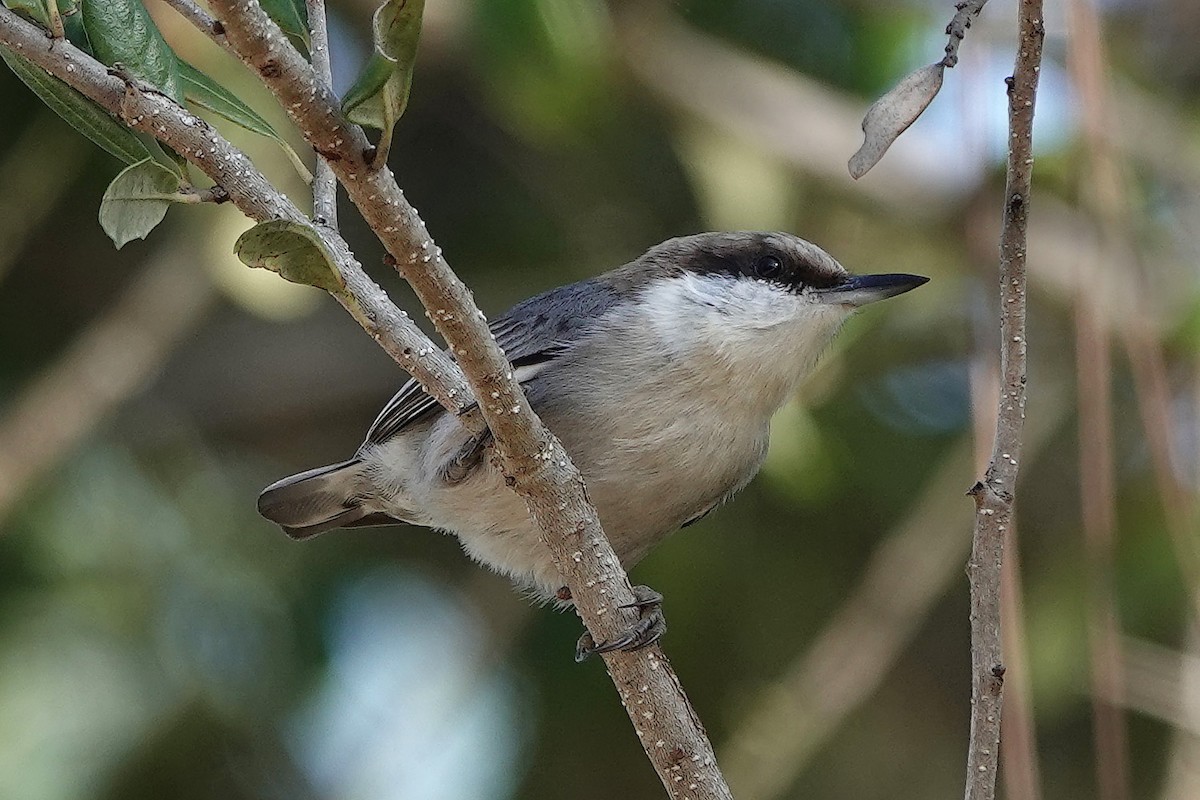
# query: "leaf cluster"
x,y
122,35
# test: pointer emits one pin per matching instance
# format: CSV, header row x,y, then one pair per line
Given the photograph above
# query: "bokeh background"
x,y
159,640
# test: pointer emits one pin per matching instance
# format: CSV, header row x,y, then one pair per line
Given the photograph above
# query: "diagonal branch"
x,y
204,21
995,493
532,458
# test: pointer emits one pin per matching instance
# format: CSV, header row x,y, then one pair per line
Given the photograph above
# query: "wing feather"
x,y
532,334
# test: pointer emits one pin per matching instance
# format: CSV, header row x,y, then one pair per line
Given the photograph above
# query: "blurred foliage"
x,y
158,639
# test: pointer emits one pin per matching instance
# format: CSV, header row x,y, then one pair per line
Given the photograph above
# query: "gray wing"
x,y
532,334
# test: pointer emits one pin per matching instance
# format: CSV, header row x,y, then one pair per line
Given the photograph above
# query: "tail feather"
x,y
318,500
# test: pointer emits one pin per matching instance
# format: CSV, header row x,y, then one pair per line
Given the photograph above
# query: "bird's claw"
x,y
649,628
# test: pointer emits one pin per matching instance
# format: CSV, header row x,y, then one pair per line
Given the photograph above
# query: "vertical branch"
x,y
324,185
1018,755
995,492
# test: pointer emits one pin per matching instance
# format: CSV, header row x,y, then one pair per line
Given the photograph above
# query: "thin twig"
x,y
995,493
957,28
324,185
202,20
1018,753
533,460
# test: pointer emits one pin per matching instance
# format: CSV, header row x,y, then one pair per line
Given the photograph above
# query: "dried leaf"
x,y
891,115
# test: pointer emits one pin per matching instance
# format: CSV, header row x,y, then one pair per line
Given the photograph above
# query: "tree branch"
x,y
202,20
965,11
994,494
324,185
670,732
531,457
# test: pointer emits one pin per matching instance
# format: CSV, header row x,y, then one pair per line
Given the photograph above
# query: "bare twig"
x,y
995,492
1018,754
965,11
324,185
532,458
196,15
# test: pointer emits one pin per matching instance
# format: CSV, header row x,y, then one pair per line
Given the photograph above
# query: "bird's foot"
x,y
649,628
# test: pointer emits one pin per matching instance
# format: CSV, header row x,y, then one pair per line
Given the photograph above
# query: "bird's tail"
x,y
320,499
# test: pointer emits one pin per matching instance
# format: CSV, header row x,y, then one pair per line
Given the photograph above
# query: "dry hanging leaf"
x,y
891,115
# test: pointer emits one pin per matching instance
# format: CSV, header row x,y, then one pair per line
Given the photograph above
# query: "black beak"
x,y
858,290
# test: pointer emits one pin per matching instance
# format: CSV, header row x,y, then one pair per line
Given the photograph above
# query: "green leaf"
x,y
380,95
72,17
292,249
32,10
38,11
79,112
122,32
203,91
137,200
290,15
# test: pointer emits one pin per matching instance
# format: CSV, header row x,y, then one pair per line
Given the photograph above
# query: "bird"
x,y
659,377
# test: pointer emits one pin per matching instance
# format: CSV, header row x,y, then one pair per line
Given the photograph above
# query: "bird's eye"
x,y
768,267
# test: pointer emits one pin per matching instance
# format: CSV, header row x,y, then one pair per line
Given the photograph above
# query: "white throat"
x,y
757,338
